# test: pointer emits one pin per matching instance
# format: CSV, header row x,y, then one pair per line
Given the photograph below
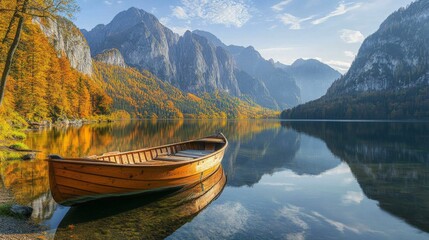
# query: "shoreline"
x,y
14,228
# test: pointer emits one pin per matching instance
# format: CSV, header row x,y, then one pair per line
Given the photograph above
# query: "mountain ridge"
x,y
147,44
313,80
389,78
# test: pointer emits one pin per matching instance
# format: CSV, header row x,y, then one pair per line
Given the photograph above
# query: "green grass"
x,y
19,146
5,210
11,134
18,135
14,156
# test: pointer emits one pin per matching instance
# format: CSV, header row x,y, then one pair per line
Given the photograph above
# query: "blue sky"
x,y
285,30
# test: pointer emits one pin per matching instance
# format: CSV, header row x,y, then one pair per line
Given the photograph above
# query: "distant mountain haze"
x,y
312,77
389,78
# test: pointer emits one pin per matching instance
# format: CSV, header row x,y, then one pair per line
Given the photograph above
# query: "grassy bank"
x,y
12,134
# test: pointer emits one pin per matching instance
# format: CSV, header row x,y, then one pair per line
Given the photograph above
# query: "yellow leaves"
x,y
194,98
43,86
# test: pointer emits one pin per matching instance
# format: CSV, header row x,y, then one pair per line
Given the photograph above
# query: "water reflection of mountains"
x,y
270,151
389,160
145,217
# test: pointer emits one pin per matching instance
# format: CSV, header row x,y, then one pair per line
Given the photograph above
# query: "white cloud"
x,y
340,10
119,2
295,236
350,54
295,215
180,13
342,168
231,217
293,22
352,198
339,65
288,187
351,36
108,2
348,180
338,225
226,12
280,6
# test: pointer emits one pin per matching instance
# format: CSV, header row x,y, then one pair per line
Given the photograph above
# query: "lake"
x,y
279,180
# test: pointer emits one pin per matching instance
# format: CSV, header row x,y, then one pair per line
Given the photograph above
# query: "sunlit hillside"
x,y
43,86
144,96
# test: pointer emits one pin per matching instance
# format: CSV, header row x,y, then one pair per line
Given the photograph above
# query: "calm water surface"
x,y
284,180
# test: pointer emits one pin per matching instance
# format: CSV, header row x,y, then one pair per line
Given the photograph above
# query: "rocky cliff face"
x,y
393,58
143,41
189,62
204,67
389,78
258,78
67,39
212,38
112,57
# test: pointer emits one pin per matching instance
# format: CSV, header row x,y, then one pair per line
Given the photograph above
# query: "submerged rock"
x,y
29,156
22,211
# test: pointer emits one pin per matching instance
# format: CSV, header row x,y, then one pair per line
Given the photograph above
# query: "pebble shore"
x,y
19,229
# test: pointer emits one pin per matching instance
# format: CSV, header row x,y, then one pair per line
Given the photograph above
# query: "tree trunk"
x,y
9,28
11,52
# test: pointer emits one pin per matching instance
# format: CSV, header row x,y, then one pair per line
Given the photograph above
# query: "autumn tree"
x,y
19,11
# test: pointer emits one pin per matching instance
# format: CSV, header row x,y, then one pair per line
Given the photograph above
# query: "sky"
x,y
285,30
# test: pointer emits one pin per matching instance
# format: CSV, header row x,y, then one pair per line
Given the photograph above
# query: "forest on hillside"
x,y
412,103
43,86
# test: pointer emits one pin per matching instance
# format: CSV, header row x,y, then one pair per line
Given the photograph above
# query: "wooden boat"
x,y
77,180
141,216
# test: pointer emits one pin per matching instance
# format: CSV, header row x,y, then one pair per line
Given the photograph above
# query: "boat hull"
x,y
153,218
74,181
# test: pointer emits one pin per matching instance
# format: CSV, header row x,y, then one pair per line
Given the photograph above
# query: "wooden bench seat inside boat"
x,y
184,155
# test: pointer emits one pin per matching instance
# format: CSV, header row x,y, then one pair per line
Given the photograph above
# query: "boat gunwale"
x,y
155,163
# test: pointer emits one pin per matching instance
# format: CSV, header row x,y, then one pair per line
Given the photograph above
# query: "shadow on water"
x,y
154,217
389,160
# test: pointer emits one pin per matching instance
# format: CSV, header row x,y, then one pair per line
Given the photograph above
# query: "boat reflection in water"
x,y
141,217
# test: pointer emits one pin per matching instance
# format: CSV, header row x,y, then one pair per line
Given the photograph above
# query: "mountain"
x,y
377,154
112,57
202,67
66,38
258,78
312,77
255,90
280,83
51,76
212,38
143,95
393,58
389,78
189,62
